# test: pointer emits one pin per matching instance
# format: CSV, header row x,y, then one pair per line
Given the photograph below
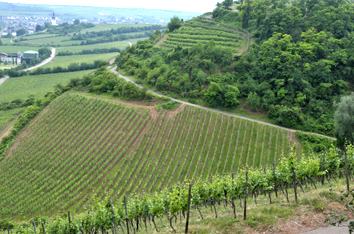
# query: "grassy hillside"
x,y
79,146
203,30
38,86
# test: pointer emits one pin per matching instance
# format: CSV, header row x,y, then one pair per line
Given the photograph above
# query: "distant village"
x,y
15,23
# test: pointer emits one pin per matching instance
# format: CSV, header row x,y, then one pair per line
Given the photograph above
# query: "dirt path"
x,y
130,44
164,37
44,62
211,109
6,133
2,80
342,229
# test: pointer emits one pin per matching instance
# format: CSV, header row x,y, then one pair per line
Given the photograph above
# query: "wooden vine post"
x,y
69,222
113,219
323,167
188,207
346,167
43,228
34,226
126,213
275,180
295,192
245,204
233,199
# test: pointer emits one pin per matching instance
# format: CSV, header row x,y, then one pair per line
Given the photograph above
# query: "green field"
x,y
201,30
14,49
23,87
80,145
3,66
37,36
119,44
107,27
50,40
6,116
64,61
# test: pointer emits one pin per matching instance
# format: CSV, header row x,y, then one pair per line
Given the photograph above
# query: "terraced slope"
x,y
80,146
205,30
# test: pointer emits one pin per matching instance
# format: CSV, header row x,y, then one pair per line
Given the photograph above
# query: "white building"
x,y
54,21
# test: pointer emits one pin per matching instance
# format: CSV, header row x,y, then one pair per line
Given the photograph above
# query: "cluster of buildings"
x,y
29,23
14,23
19,57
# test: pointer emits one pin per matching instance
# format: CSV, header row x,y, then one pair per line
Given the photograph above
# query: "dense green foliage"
x,y
314,143
175,23
300,62
65,28
104,215
344,119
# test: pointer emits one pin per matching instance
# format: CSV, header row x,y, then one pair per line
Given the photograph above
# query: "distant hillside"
x,y
203,30
81,145
69,12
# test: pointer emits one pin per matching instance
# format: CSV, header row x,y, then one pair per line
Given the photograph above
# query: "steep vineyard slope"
x,y
80,146
204,30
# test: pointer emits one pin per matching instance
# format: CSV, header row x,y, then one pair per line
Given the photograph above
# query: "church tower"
x,y
54,21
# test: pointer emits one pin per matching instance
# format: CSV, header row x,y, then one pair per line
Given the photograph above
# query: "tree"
x,y
344,119
0,42
174,24
21,31
227,3
77,21
38,28
253,101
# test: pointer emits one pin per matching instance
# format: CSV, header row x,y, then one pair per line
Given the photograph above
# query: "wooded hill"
x,y
300,62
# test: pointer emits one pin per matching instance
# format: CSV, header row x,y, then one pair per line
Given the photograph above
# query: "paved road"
x,y
2,80
207,108
342,229
44,62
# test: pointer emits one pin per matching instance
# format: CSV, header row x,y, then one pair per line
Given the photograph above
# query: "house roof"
x,y
30,52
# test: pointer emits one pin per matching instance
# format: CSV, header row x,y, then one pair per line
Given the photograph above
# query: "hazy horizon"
x,y
181,5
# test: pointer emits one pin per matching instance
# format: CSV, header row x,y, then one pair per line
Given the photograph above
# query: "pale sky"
x,y
177,5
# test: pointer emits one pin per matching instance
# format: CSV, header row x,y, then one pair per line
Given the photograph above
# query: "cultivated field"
x,y
64,61
118,44
6,116
39,85
14,49
204,30
107,27
79,146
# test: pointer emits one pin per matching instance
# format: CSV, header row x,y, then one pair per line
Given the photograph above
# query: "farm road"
x,y
210,109
2,80
44,62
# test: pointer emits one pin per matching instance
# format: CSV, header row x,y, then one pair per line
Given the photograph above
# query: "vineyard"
x,y
81,146
202,30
